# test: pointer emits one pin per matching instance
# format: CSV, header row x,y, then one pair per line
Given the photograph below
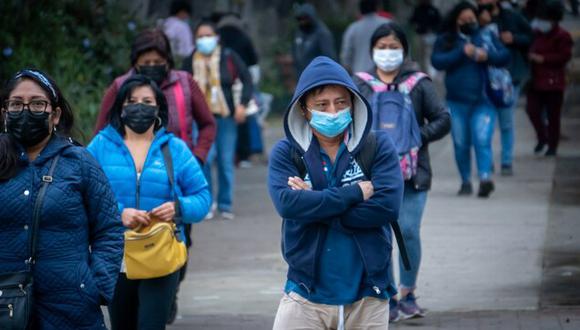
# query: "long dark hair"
x,y
124,94
449,28
8,146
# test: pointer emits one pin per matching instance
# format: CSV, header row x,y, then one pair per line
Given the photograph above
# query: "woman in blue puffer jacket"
x,y
129,150
79,235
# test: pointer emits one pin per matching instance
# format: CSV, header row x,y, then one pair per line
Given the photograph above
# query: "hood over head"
x,y
305,10
324,71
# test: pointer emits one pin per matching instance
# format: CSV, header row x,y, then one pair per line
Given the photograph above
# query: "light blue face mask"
x,y
330,125
206,45
541,25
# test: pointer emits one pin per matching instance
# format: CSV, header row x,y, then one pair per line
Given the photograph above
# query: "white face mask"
x,y
388,59
541,25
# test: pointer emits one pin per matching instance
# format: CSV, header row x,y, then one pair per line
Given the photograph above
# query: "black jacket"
x,y
431,113
514,22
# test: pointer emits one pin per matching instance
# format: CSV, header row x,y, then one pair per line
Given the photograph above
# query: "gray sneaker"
x,y
394,313
409,308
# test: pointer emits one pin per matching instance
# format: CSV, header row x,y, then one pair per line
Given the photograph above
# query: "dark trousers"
x,y
142,304
544,109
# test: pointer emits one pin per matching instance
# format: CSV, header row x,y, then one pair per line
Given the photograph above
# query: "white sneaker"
x,y
211,214
227,215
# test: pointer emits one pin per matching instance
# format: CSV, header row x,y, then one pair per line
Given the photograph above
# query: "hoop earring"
x,y
159,122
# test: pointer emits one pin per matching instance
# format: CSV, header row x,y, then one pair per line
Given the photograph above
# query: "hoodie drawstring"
x,y
340,317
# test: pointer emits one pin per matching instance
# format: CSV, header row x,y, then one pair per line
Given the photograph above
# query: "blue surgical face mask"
x,y
330,124
206,45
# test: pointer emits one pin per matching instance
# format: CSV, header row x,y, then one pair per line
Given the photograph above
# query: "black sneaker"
x,y
551,152
539,148
507,170
466,189
485,188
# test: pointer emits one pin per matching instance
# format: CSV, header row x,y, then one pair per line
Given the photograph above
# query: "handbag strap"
x,y
170,174
33,236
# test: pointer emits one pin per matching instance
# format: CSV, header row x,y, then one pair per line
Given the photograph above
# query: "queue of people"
x,y
352,171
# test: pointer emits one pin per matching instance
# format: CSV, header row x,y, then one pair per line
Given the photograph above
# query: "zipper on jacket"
x,y
374,287
138,185
10,309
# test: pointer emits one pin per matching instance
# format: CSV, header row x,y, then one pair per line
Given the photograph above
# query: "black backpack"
x,y
365,158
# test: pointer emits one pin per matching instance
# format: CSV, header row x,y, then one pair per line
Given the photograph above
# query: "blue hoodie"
x,y
152,188
308,215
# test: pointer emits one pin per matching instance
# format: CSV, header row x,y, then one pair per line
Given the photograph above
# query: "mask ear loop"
x,y
159,122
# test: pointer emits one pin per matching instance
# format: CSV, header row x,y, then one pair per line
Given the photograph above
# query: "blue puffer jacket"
x,y
153,186
465,78
80,237
308,214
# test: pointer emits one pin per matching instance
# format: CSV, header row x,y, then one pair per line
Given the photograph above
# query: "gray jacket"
x,y
355,54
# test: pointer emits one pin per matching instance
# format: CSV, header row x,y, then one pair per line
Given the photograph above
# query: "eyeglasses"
x,y
17,106
325,106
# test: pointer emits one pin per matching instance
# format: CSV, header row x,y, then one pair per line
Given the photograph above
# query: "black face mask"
x,y
469,28
156,72
28,128
139,117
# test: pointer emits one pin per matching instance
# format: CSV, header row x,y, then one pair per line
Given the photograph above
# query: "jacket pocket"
x,y
86,284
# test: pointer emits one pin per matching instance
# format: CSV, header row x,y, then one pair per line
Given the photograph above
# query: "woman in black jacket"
x,y
389,49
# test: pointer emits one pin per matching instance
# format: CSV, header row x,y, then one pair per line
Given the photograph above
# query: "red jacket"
x,y
556,48
196,110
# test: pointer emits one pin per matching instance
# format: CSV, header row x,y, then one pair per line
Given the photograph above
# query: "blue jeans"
x,y
410,216
505,118
223,152
473,125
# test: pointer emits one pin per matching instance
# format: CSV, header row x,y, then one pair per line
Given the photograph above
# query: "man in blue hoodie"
x,y
336,237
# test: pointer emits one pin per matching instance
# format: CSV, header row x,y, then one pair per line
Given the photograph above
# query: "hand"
x,y
480,55
507,37
469,50
240,114
164,212
367,189
132,218
295,183
536,58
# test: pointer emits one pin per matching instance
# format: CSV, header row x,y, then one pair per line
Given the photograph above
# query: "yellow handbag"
x,y
153,251
156,250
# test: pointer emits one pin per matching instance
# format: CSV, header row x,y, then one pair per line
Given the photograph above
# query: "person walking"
x,y
176,28
336,212
151,56
129,149
460,51
426,20
389,49
312,39
215,69
355,41
550,52
515,33
53,193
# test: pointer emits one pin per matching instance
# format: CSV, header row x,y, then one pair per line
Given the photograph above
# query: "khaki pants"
x,y
297,313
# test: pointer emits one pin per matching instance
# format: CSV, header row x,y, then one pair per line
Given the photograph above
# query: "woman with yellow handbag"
x,y
159,186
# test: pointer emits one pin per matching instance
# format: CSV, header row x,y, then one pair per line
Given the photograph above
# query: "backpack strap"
x,y
181,109
374,83
298,162
407,86
365,158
